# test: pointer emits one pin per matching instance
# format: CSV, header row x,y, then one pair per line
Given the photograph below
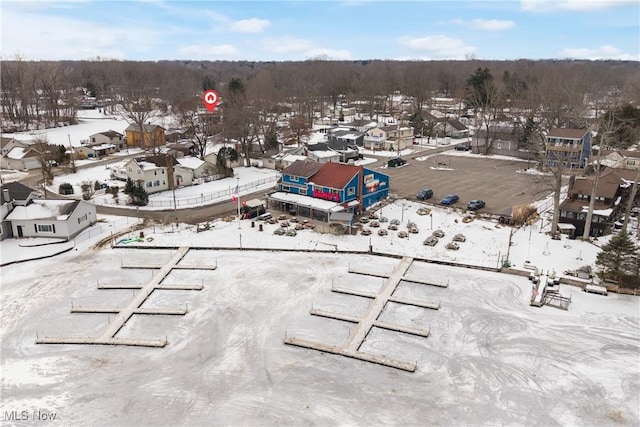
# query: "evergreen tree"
x,y
129,187
619,256
139,195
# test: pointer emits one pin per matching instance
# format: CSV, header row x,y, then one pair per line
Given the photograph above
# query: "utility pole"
x,y
72,155
632,197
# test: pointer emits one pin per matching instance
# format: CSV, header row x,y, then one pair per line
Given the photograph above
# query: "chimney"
x,y
5,195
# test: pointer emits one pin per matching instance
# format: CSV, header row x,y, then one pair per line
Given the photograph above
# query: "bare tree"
x,y
43,149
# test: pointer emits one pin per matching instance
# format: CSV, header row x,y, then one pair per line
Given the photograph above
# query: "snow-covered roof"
x,y
17,153
325,154
190,162
44,209
320,204
293,157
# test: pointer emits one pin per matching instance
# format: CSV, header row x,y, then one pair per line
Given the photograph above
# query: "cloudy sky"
x,y
299,30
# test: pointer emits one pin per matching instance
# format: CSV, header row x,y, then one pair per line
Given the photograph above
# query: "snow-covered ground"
x,y
490,358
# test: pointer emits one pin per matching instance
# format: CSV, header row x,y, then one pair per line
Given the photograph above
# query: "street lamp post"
x,y
238,199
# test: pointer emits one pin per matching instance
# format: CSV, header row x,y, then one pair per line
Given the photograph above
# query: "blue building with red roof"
x,y
318,190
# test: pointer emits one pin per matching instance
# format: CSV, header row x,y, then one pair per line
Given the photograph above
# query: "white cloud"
x,y
54,38
286,45
438,47
571,5
252,25
199,51
602,52
491,24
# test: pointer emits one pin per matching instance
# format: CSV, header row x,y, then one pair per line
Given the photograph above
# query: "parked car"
x,y
424,194
461,147
430,241
474,205
449,199
395,162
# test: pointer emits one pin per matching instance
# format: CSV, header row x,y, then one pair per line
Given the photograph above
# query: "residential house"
x,y
390,138
504,141
12,194
19,155
620,159
341,138
317,190
284,158
452,127
201,170
153,172
183,147
322,153
211,156
154,136
94,150
62,219
108,137
607,204
570,147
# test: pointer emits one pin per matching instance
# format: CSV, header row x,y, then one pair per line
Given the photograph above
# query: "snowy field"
x,y
490,358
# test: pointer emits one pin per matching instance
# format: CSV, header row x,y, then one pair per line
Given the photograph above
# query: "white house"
x,y
13,194
108,137
199,168
19,155
392,138
62,219
153,173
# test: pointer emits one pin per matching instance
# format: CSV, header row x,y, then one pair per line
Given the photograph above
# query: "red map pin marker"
x,y
210,99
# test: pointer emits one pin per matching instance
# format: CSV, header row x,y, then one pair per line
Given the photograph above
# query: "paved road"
x,y
193,215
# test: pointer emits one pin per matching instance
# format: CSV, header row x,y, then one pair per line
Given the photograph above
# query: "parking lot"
x,y
471,177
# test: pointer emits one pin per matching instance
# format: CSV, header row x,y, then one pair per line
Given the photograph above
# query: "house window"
x,y
294,179
570,215
44,228
351,191
581,216
156,183
148,184
285,188
164,182
155,172
130,170
499,146
139,172
563,214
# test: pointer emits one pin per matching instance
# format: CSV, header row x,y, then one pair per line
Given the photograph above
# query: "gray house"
x,y
13,194
63,219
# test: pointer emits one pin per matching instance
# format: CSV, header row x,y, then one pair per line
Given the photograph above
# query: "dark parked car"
x,y
396,161
449,199
461,147
474,205
424,194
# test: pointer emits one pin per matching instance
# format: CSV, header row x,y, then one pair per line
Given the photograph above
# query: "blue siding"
x,y
377,189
